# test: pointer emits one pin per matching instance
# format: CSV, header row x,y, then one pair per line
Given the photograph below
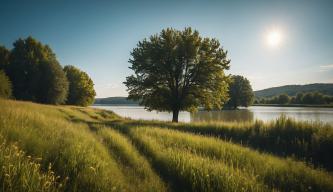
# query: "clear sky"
x,y
272,43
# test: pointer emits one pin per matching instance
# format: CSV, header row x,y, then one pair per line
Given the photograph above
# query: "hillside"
x,y
115,101
292,90
67,148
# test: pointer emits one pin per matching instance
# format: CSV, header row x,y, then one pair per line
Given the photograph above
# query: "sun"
x,y
274,38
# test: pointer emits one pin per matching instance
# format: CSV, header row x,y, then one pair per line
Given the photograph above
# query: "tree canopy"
x,y
81,87
240,92
5,86
178,70
35,73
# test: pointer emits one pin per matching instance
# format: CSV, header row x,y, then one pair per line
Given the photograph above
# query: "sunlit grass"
x,y
309,141
209,164
74,152
135,167
20,172
68,148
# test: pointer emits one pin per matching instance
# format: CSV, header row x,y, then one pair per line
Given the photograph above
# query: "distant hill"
x,y
115,101
292,90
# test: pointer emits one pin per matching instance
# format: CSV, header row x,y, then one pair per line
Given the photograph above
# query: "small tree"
x,y
318,98
240,92
81,87
299,98
178,70
5,86
283,99
308,98
36,74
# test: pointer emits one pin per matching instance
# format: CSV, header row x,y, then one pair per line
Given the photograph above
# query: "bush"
x,y
5,86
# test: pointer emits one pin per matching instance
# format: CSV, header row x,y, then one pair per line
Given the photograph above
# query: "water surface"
x,y
244,114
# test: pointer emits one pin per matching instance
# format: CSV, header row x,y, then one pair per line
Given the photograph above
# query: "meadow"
x,y
67,148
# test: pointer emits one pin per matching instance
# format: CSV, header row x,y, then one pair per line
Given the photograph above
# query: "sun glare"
x,y
274,38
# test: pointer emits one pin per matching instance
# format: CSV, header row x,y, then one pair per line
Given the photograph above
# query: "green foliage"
x,y
178,70
298,98
4,57
5,86
240,92
283,99
311,98
81,87
36,74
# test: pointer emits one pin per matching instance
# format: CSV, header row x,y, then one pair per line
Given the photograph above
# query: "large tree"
x,y
240,92
81,87
178,70
36,74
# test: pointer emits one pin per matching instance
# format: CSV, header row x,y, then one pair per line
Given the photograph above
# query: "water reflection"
x,y
227,115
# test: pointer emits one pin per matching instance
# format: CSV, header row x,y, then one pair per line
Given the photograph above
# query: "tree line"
x,y
310,98
31,72
173,71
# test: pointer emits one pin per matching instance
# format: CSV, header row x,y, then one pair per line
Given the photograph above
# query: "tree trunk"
x,y
175,114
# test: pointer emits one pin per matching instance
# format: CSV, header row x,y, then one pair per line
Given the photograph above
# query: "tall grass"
x,y
309,141
20,172
208,164
74,152
96,150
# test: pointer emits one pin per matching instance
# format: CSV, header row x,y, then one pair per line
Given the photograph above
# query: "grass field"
x,y
67,148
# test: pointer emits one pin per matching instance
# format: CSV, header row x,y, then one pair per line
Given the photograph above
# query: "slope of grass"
x,y
312,142
69,148
74,152
207,164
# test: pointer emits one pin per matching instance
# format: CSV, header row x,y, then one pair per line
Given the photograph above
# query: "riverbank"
x,y
96,150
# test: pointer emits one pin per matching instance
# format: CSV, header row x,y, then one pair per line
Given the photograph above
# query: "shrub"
x,y
5,86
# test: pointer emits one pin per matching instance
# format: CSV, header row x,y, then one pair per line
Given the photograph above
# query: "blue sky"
x,y
98,36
